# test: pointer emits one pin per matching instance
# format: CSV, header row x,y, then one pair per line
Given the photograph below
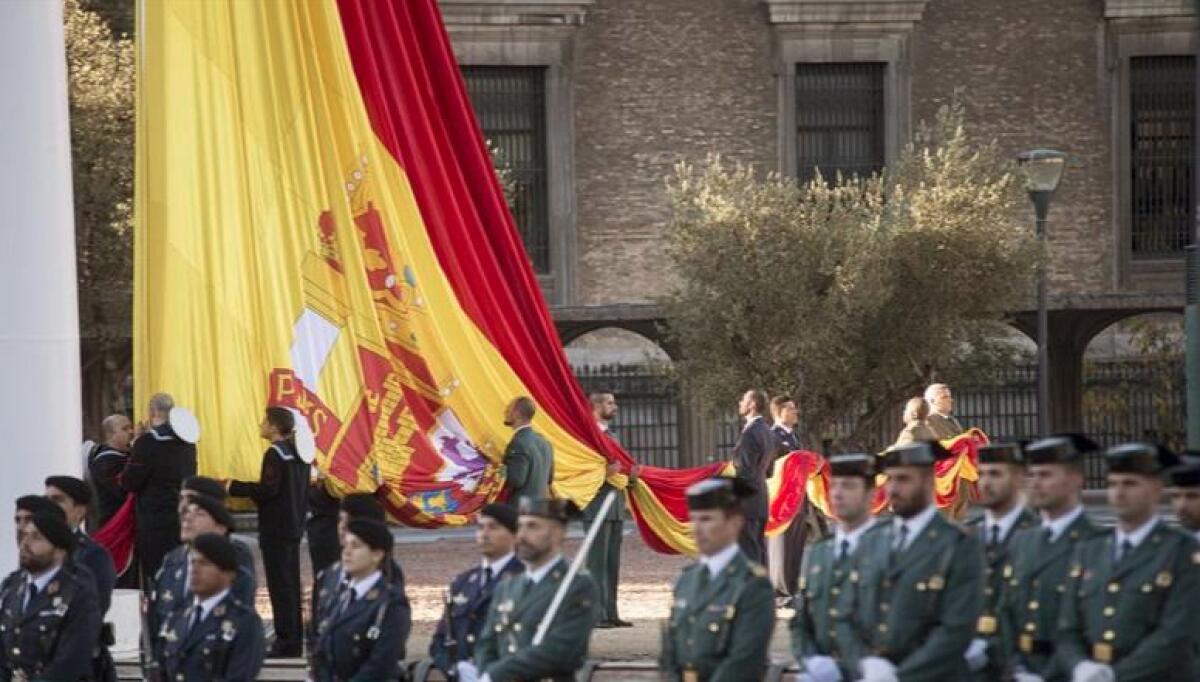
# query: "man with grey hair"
x,y
155,471
941,412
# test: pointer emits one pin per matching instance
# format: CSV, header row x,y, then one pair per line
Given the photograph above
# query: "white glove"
x,y
822,669
467,672
875,669
1091,671
976,655
1027,677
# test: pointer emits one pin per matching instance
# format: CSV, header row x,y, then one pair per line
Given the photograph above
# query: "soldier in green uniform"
x,y
1185,500
1132,606
920,581
604,558
723,611
528,458
1039,558
505,650
1001,479
820,626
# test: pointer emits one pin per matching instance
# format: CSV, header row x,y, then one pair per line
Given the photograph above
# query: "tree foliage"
x,y
851,294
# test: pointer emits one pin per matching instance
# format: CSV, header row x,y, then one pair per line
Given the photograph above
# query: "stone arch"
x,y
615,344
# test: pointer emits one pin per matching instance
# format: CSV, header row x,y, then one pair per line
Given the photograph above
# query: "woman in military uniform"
x,y
361,634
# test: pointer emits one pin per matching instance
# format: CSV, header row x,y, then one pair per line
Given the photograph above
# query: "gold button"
x,y
1109,611
1030,627
1033,605
835,591
1109,635
883,627
713,627
885,607
512,648
516,627
833,612
1114,587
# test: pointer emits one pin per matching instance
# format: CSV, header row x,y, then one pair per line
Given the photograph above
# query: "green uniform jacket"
x,y
1141,613
529,465
994,561
822,625
505,648
721,630
1037,579
919,609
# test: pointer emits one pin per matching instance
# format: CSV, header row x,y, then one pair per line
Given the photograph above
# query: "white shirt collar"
x,y
522,427
717,562
851,537
1059,526
1005,522
916,524
207,605
44,578
785,427
1135,538
602,425
535,576
363,585
751,420
498,565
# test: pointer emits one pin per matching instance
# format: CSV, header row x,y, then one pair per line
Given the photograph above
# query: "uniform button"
x,y
989,591
1114,587
1109,611
1033,606
883,627
833,612
516,627
713,627
512,648
835,591
885,607
1109,635
499,628
470,639
1030,627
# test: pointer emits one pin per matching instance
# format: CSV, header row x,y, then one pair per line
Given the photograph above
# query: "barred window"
x,y
510,102
839,119
1162,93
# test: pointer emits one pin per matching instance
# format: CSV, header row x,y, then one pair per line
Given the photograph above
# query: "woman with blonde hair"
x,y
916,411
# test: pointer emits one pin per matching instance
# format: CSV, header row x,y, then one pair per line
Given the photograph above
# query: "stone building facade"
x,y
629,89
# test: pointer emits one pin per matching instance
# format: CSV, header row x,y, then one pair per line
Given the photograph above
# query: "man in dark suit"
x,y
753,456
786,550
281,495
471,592
155,471
528,459
941,418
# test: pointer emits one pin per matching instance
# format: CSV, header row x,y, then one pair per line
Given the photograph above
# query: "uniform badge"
x,y
167,596
219,611
178,573
936,582
459,599
170,636
730,612
57,602
227,630
373,594
52,588
505,606
1163,579
986,625
472,578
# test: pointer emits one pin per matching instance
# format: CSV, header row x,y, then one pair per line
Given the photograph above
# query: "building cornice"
x,y
895,15
514,12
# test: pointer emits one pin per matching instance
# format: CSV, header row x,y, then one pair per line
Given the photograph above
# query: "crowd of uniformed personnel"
x,y
1029,589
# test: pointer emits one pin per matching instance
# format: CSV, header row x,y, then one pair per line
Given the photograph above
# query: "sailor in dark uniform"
x,y
281,495
74,496
471,592
49,618
155,471
213,635
202,515
362,634
331,581
785,550
105,464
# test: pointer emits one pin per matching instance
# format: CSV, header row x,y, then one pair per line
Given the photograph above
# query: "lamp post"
x,y
1043,169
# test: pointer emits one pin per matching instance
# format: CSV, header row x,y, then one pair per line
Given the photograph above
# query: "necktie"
x,y
844,550
1048,535
704,577
1125,547
197,615
30,594
901,539
995,535
345,601
487,574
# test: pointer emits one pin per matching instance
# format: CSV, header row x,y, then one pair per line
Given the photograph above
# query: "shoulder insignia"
x,y
758,571
936,582
227,630
52,588
167,596
459,599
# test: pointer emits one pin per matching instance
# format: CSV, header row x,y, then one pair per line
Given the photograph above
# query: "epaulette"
x,y
757,570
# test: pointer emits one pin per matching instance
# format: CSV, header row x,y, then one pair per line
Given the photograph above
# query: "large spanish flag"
x,y
319,226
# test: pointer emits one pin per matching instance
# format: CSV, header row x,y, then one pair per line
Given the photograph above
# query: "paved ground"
x,y
431,558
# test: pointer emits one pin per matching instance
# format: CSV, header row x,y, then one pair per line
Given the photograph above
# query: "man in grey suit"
x,y
754,455
528,459
941,418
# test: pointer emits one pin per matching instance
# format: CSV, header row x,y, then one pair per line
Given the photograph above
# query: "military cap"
x,y
374,534
718,493
919,454
35,504
216,509
54,528
205,486
503,514
1002,453
547,508
1187,474
854,464
1147,459
1062,448
75,488
218,549
362,506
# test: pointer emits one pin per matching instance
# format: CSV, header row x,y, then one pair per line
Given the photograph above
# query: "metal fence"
x,y
1123,400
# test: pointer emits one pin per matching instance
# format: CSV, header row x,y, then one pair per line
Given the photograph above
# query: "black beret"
x,y
1062,448
216,509
919,454
54,528
362,506
547,508
375,534
853,465
1147,459
205,486
218,549
1187,474
35,504
718,493
502,514
75,488
1002,453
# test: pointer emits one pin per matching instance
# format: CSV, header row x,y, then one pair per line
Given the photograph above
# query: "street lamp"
x,y
1043,169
